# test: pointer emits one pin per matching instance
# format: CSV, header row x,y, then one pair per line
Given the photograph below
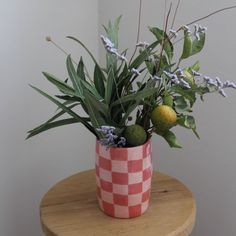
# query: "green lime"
x,y
135,135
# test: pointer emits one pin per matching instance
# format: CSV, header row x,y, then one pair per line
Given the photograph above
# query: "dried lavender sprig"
x,y
110,139
173,33
142,44
111,48
135,71
178,81
197,30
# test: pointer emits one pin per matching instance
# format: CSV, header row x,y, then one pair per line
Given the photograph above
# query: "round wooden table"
x,y
70,208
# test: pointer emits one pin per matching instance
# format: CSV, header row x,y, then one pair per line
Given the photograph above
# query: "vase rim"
x,y
130,148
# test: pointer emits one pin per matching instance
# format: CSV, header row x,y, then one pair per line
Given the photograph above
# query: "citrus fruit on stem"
x,y
135,135
163,117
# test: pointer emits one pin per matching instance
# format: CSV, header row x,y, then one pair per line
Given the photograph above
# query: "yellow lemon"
x,y
163,117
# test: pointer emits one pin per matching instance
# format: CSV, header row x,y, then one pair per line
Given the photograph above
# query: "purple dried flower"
x,y
184,83
110,47
195,73
156,78
122,58
121,142
107,42
180,73
135,71
197,30
173,33
186,29
112,51
228,84
222,92
142,44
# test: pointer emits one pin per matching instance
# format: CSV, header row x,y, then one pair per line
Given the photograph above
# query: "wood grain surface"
x,y
70,208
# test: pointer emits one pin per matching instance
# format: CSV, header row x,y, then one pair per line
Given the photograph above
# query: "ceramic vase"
x,y
123,179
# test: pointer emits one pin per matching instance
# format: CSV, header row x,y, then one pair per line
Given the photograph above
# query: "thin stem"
x,y
48,39
211,14
138,32
164,21
63,50
204,17
164,38
175,14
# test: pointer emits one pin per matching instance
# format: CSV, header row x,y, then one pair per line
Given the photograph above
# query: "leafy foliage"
x,y
130,90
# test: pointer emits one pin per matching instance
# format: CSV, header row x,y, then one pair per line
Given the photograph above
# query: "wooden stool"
x,y
70,208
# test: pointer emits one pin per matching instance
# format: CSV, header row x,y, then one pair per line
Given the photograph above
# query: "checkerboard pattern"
x,y
123,177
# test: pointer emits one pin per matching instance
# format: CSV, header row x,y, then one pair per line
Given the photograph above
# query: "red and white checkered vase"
x,y
123,178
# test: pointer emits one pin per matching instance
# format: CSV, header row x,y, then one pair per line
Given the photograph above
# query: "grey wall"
x,y
29,168
206,166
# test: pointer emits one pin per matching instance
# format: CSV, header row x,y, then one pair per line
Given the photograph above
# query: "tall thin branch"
x,y
138,31
175,14
211,14
164,21
164,38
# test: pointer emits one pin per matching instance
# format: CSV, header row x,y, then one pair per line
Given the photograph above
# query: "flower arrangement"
x,y
130,99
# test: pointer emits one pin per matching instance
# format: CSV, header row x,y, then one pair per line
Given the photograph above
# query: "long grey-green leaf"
x,y
61,85
143,55
92,89
109,86
96,119
79,42
135,96
74,77
62,112
80,69
99,79
67,110
51,125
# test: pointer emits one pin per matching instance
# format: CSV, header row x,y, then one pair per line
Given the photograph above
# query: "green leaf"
x,y
67,110
143,55
51,125
76,81
195,66
188,122
112,33
99,106
79,42
62,86
198,44
92,89
160,35
181,104
96,119
80,69
138,96
99,79
188,46
187,93
171,139
110,86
